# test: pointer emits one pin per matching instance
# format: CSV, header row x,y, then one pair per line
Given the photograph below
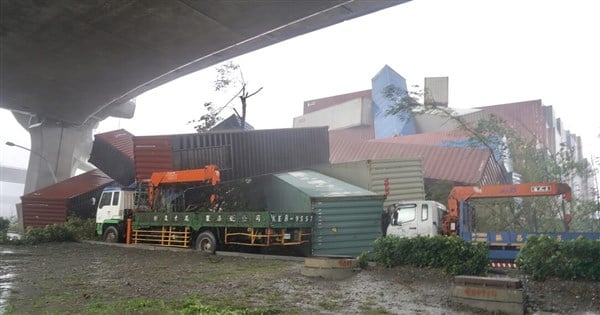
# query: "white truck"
x,y
414,218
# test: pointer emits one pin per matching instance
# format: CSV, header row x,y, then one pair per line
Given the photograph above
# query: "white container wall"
x,y
404,177
353,113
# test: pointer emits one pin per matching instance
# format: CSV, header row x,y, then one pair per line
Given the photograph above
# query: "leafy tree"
x,y
208,120
506,143
229,76
4,224
407,103
438,190
534,164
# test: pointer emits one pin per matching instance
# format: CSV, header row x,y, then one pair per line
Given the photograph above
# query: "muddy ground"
x,y
70,278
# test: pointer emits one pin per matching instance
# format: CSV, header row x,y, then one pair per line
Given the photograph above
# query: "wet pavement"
x,y
8,263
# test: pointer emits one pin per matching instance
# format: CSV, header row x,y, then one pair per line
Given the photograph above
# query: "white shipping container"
x,y
404,177
353,113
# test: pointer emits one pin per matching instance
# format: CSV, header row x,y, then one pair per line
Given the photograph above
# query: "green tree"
x,y
438,190
4,224
506,143
229,76
534,164
407,103
209,119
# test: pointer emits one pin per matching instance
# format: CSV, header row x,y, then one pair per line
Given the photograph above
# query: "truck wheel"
x,y
206,243
111,235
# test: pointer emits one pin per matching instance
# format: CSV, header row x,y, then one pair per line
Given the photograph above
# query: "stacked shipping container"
x,y
112,152
73,196
347,217
399,179
238,154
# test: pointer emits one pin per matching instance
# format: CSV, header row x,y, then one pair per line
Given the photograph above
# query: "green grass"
x,y
329,305
184,306
374,311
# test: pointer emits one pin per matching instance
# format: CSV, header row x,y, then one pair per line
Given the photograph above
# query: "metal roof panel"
x,y
315,184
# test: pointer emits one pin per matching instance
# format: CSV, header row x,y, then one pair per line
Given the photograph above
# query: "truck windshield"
x,y
105,199
405,213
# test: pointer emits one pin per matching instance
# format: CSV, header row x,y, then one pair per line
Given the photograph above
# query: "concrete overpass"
x,y
67,64
12,175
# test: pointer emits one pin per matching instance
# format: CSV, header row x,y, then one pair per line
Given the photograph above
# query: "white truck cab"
x,y
416,217
113,203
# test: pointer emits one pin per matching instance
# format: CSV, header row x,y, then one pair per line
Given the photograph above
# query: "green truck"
x,y
141,215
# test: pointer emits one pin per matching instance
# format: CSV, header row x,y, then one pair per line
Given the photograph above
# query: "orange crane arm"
x,y
464,193
210,173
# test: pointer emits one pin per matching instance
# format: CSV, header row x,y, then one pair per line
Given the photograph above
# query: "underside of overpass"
x,y
67,64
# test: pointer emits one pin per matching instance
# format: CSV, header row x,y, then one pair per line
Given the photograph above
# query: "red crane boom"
x,y
463,193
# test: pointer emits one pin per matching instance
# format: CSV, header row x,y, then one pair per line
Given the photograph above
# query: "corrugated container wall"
x,y
404,176
353,113
152,154
238,154
112,152
347,217
73,196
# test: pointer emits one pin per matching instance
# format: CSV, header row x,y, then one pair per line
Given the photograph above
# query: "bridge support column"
x,y
57,151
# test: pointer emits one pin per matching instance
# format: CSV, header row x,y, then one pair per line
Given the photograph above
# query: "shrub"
x,y
49,233
363,260
453,254
4,224
74,229
543,256
84,229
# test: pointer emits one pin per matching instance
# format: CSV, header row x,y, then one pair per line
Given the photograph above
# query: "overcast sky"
x,y
493,52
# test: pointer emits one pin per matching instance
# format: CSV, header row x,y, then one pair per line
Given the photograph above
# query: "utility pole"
x,y
597,212
10,144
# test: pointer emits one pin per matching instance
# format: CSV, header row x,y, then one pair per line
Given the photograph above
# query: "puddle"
x,y
7,275
5,289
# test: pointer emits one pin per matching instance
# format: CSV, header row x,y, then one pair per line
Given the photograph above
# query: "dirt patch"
x,y
72,277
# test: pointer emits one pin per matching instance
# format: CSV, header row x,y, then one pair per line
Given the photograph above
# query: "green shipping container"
x,y
347,218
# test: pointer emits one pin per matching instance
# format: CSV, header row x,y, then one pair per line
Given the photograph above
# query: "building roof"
x,y
361,133
318,104
526,117
315,184
430,138
464,165
233,122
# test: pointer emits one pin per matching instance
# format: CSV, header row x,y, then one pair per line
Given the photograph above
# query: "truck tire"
x,y
111,235
206,243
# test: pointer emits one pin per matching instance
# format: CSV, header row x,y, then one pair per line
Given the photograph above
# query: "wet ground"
x,y
69,278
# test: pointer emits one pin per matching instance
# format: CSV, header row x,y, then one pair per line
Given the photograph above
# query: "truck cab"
x,y
114,204
416,217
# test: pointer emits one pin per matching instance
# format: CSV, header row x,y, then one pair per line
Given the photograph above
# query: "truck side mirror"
x,y
395,218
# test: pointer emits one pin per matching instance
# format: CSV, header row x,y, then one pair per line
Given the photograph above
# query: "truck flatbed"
x,y
242,219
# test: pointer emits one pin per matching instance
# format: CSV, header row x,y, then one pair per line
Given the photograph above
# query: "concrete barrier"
x,y
330,268
492,294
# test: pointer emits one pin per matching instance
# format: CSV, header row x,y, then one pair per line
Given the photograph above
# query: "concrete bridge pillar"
x,y
57,151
